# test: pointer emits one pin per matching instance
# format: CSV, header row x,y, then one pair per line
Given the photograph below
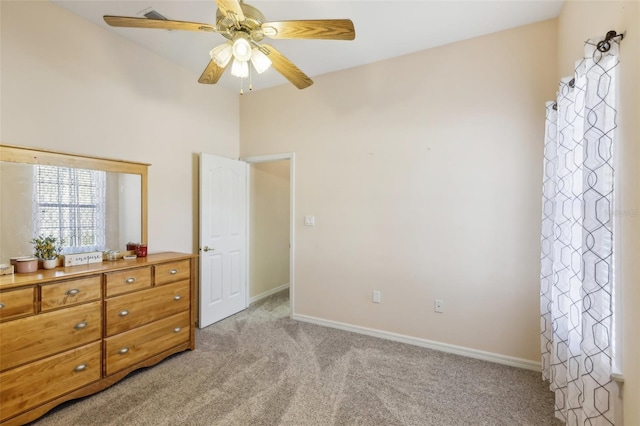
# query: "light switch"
x,y
309,220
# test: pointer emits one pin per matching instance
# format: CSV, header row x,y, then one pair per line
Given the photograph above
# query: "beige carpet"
x,y
261,368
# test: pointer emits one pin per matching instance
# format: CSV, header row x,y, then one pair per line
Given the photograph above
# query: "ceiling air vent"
x,y
152,14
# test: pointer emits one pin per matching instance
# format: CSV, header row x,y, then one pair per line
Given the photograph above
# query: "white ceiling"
x,y
384,29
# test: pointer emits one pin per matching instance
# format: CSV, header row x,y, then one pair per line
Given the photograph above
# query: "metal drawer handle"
x,y
80,325
1,305
130,280
173,271
72,292
80,367
177,329
123,313
123,351
177,297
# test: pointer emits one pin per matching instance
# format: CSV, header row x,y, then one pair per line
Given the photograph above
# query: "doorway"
x,y
270,225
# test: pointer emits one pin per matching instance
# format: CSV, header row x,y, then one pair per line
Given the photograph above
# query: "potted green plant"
x,y
47,249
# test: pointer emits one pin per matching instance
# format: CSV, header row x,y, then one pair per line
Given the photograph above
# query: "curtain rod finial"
x,y
610,35
604,45
613,34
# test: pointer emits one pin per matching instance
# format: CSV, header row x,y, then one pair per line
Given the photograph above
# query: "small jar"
x,y
142,250
132,247
113,255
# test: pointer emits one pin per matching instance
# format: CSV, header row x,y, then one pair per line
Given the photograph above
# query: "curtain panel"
x,y
577,241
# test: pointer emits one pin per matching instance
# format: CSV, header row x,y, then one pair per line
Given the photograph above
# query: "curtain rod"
x,y
603,47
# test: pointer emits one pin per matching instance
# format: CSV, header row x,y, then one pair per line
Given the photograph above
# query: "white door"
x,y
223,242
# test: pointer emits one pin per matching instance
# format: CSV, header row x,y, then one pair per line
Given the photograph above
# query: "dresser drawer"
x,y
72,292
126,281
172,272
31,338
17,303
24,387
136,345
133,310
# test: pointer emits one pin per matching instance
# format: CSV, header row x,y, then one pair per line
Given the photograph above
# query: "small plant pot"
x,y
49,263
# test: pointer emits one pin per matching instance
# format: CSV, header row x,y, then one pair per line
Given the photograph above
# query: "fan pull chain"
x,y
250,74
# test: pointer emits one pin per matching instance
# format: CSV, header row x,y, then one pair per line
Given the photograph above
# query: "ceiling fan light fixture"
x,y
221,54
240,68
241,47
260,61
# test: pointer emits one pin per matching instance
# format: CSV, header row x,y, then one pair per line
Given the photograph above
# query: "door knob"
x,y
207,248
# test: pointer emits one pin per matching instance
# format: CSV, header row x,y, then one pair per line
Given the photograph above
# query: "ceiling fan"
x,y
245,27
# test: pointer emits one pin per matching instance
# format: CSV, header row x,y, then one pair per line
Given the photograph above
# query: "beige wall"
x,y
424,175
72,86
579,21
269,225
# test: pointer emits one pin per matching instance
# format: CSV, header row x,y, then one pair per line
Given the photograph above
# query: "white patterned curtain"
x,y
577,241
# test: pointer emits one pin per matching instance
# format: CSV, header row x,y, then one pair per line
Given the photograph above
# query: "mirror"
x,y
92,204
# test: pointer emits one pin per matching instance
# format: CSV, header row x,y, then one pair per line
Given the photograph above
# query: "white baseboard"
x,y
268,293
438,346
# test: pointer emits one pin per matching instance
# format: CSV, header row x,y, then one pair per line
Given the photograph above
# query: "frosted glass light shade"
x,y
241,48
221,54
240,68
260,61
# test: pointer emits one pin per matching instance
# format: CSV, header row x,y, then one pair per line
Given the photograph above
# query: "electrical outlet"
x,y
439,306
376,296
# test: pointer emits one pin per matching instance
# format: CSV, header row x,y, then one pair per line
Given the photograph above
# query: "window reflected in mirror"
x,y
70,205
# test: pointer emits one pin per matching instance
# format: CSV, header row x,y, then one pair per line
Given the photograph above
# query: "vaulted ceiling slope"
x,y
384,29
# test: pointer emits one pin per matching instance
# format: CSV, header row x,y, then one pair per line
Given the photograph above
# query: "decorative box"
x,y
24,265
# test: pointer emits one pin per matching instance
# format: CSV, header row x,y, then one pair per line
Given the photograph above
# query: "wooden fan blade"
x,y
326,29
231,7
124,21
211,74
286,67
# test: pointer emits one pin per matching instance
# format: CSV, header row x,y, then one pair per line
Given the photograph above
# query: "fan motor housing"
x,y
252,24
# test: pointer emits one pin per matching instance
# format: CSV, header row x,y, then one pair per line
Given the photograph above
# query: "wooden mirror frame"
x,y
17,154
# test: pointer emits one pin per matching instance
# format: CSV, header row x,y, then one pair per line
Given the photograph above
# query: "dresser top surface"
x,y
61,273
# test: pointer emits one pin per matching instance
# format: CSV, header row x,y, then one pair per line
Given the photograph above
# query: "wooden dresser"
x,y
70,332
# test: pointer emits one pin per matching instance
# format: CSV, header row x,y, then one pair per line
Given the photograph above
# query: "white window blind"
x,y
70,205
